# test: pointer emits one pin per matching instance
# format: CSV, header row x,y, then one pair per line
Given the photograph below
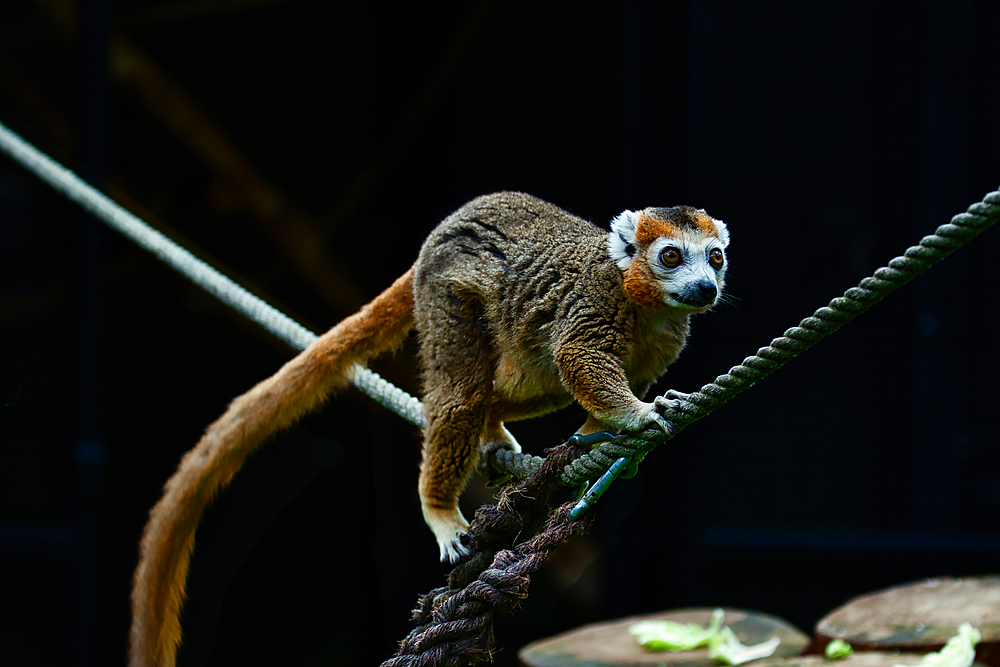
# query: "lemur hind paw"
x,y
453,551
448,527
485,466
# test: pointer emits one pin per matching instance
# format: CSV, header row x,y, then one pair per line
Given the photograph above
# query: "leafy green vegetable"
x,y
673,636
722,642
959,651
727,648
838,649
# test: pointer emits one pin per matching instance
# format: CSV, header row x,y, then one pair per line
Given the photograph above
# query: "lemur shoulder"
x,y
520,308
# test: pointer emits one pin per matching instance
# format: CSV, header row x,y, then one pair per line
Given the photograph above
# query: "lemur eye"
x,y
716,258
670,256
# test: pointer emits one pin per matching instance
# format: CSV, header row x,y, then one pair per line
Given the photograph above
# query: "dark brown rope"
x,y
455,622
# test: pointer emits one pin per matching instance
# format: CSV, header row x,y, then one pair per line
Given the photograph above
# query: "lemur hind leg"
x,y
458,376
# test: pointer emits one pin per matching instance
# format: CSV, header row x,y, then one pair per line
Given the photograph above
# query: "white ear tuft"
x,y
723,232
621,241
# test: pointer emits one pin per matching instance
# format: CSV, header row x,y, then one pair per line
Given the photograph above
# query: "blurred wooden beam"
x,y
421,105
290,227
54,123
188,10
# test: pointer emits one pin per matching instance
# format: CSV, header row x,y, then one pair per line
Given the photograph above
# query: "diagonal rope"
x,y
233,295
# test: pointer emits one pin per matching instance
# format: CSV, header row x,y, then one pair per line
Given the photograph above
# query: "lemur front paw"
x,y
650,417
674,396
671,400
448,525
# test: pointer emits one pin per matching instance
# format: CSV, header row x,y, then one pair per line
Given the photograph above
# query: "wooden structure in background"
x,y
919,616
609,644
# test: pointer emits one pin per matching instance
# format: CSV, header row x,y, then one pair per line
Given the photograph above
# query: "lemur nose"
x,y
707,290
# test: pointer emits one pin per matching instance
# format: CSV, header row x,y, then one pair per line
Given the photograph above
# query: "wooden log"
x,y
919,616
609,644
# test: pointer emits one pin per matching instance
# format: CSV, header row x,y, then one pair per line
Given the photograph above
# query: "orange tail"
x,y
277,402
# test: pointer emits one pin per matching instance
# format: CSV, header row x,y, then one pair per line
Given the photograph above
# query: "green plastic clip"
x,y
604,481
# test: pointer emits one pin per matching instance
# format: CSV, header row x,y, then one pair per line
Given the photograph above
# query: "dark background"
x,y
307,147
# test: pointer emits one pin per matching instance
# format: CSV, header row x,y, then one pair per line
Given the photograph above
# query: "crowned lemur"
x,y
520,309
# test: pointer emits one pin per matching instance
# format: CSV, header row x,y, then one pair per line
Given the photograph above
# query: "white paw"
x,y
453,551
447,526
674,395
672,400
651,416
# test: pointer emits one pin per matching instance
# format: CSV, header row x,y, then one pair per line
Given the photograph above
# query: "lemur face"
x,y
670,256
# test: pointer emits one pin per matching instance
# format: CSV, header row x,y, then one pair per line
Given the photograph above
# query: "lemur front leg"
x,y
597,380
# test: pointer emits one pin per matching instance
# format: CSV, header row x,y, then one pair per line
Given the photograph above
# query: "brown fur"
x,y
519,309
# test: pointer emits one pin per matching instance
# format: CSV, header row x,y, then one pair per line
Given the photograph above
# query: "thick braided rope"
x,y
932,249
456,626
100,206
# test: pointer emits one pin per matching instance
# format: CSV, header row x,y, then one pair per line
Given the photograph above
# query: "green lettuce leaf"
x,y
727,648
722,642
673,636
959,651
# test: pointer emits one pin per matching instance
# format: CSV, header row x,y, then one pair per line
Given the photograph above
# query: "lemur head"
x,y
670,256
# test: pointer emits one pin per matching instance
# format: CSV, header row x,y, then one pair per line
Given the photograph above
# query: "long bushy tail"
x,y
274,404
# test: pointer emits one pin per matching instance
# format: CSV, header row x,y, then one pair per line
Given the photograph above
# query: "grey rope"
x,y
100,206
932,249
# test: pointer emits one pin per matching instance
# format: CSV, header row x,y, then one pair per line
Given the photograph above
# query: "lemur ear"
x,y
723,232
622,245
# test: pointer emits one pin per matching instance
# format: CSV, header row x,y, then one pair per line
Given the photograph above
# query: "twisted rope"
x,y
201,274
454,622
455,626
932,249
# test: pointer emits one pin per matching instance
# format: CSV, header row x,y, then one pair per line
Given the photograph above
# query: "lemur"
x,y
520,308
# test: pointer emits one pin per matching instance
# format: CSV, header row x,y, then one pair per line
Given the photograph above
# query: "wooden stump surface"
x,y
609,644
859,659
919,616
